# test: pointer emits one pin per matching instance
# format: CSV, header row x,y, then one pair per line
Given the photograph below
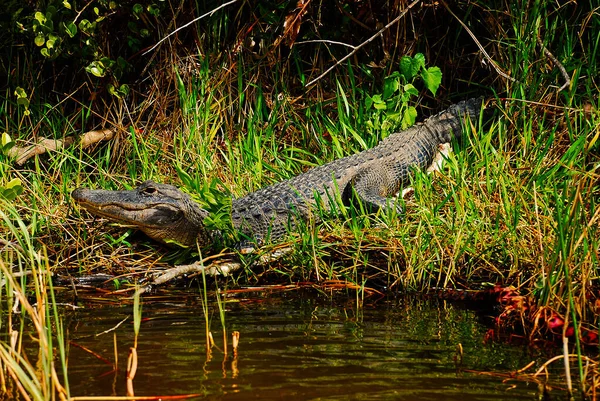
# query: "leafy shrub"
x,y
390,110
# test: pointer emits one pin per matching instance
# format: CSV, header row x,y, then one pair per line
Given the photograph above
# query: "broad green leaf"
x,y
23,101
380,106
419,61
13,183
41,18
66,4
39,40
410,89
113,91
409,118
70,29
86,26
96,68
390,86
153,10
406,67
138,8
409,67
124,89
13,189
6,139
20,92
432,77
107,62
45,52
7,143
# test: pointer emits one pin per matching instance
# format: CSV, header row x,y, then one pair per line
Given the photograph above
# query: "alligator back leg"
x,y
376,188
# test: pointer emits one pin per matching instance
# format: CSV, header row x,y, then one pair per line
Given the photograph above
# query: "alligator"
x,y
374,176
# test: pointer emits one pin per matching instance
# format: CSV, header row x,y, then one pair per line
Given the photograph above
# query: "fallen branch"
x,y
24,153
218,267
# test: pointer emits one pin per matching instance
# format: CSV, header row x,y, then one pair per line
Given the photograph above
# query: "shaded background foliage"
x,y
72,55
78,56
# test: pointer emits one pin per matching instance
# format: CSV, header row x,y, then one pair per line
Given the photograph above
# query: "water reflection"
x,y
294,348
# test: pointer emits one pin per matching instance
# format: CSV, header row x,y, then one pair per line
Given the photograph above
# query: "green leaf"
x,y
45,52
39,40
20,92
112,90
419,61
70,29
409,118
406,67
138,8
13,189
124,89
380,106
390,86
5,139
66,4
96,68
410,66
15,182
432,77
41,18
86,26
410,89
153,10
7,143
368,102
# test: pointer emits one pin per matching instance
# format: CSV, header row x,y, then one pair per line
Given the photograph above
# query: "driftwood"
x,y
215,268
24,153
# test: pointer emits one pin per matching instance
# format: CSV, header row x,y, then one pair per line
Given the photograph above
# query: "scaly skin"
x,y
375,175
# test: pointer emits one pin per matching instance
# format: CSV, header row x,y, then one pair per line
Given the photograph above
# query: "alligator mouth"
x,y
132,215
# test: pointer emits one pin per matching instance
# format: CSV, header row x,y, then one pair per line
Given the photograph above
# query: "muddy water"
x,y
294,347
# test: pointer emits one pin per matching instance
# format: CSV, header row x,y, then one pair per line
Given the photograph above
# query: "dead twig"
x,y
483,51
24,153
188,24
366,42
556,63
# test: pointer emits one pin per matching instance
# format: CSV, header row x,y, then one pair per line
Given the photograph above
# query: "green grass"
x,y
517,203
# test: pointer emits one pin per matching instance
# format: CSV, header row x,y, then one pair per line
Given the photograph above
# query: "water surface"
x,y
294,346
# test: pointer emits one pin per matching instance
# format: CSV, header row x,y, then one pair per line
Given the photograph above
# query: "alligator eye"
x,y
149,191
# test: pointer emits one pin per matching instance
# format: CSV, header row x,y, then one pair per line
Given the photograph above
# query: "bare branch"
x,y
188,24
372,38
485,53
557,63
333,42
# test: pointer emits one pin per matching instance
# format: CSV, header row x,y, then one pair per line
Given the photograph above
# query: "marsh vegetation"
x,y
230,104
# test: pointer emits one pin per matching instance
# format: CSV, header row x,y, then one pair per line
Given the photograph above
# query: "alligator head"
x,y
161,211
